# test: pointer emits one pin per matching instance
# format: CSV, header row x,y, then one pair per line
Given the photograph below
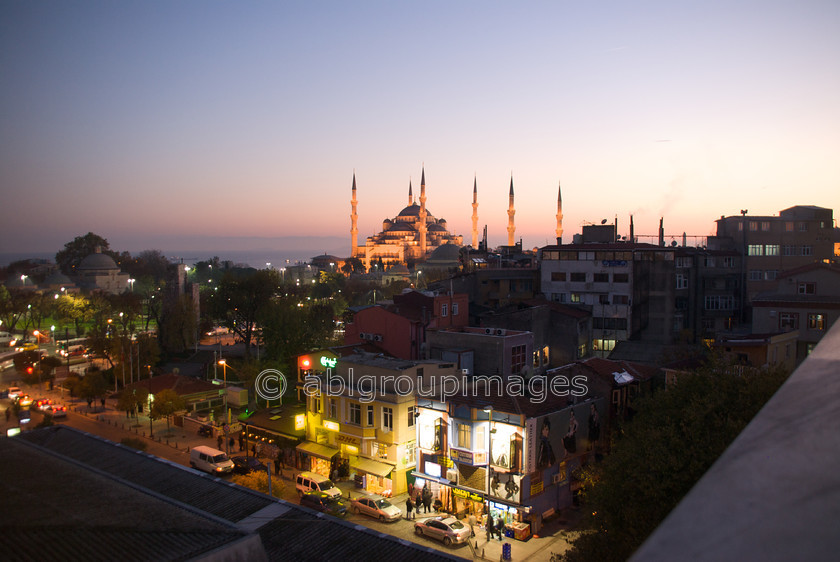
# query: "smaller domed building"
x,y
99,272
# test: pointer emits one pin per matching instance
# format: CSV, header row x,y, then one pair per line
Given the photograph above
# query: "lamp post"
x,y
131,284
223,363
489,411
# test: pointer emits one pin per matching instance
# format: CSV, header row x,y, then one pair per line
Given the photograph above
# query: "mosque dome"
x,y
57,278
97,261
448,253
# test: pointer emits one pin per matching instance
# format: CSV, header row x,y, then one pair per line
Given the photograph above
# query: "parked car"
x,y
377,507
14,392
210,460
57,411
313,482
320,501
448,529
205,430
245,465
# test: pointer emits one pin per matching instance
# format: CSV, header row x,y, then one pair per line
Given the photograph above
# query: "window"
x,y
517,359
755,275
788,250
444,310
807,250
465,436
558,275
816,321
765,226
682,281
575,298
681,303
370,414
333,408
387,418
803,227
379,450
709,261
560,297
807,289
771,274
454,309
620,299
603,299
683,262
755,250
602,277
753,226
412,410
788,321
410,452
578,277
719,302
355,414
620,278
771,250
788,226
729,262
316,404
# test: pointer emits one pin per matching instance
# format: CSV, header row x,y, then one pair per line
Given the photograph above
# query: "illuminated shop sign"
x,y
467,495
432,469
468,457
300,421
328,362
331,425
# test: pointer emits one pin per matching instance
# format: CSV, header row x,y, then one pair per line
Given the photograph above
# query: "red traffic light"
x,y
29,370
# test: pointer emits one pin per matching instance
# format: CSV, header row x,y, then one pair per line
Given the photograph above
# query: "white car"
x,y
14,392
377,507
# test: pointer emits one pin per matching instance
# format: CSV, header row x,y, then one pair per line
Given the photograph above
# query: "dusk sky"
x,y
170,124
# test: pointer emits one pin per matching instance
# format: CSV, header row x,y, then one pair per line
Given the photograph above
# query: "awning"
x,y
372,467
318,450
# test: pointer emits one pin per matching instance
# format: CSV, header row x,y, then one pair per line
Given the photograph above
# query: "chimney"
x,y
661,233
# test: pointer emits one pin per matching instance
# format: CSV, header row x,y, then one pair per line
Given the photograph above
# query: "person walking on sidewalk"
x,y
490,528
427,498
409,506
472,523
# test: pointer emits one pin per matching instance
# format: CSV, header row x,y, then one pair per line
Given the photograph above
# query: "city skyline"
x,y
160,125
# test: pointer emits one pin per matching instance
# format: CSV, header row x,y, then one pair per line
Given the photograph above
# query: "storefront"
x,y
317,458
514,517
375,475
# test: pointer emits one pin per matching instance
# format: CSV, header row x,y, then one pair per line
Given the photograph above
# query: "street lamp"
x,y
131,284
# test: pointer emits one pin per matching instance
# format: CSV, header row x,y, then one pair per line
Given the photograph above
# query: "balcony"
x,y
774,494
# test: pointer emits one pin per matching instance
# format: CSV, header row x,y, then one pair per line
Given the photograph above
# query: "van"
x,y
210,460
311,482
6,338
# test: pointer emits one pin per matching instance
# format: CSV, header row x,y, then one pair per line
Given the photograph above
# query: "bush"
x,y
134,443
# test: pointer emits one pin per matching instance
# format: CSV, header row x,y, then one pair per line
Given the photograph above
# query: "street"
x,y
175,445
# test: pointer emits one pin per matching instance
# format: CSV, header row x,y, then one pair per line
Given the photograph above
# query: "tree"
x,y
289,330
130,400
657,457
179,326
240,298
166,403
93,386
74,252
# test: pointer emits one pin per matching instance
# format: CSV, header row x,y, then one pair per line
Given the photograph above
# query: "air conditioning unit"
x,y
377,337
452,475
500,332
465,371
557,478
363,335
488,331
772,314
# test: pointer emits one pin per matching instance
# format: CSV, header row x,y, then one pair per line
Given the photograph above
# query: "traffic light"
x,y
29,370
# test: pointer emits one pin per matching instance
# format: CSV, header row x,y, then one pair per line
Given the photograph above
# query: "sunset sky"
x,y
177,124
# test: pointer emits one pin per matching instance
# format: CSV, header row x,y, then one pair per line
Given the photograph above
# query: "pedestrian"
x,y
427,498
500,526
254,449
241,443
472,522
219,441
409,506
8,414
276,467
230,443
489,527
258,450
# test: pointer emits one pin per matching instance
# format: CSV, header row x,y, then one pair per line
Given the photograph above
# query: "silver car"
x,y
377,507
449,530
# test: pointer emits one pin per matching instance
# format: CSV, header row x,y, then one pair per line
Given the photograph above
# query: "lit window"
x,y
444,310
816,321
387,418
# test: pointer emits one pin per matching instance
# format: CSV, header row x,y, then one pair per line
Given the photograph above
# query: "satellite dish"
x,y
604,221
673,243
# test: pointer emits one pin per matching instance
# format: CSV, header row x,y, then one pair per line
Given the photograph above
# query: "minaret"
x,y
354,222
661,232
410,197
511,229
559,230
423,214
475,215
